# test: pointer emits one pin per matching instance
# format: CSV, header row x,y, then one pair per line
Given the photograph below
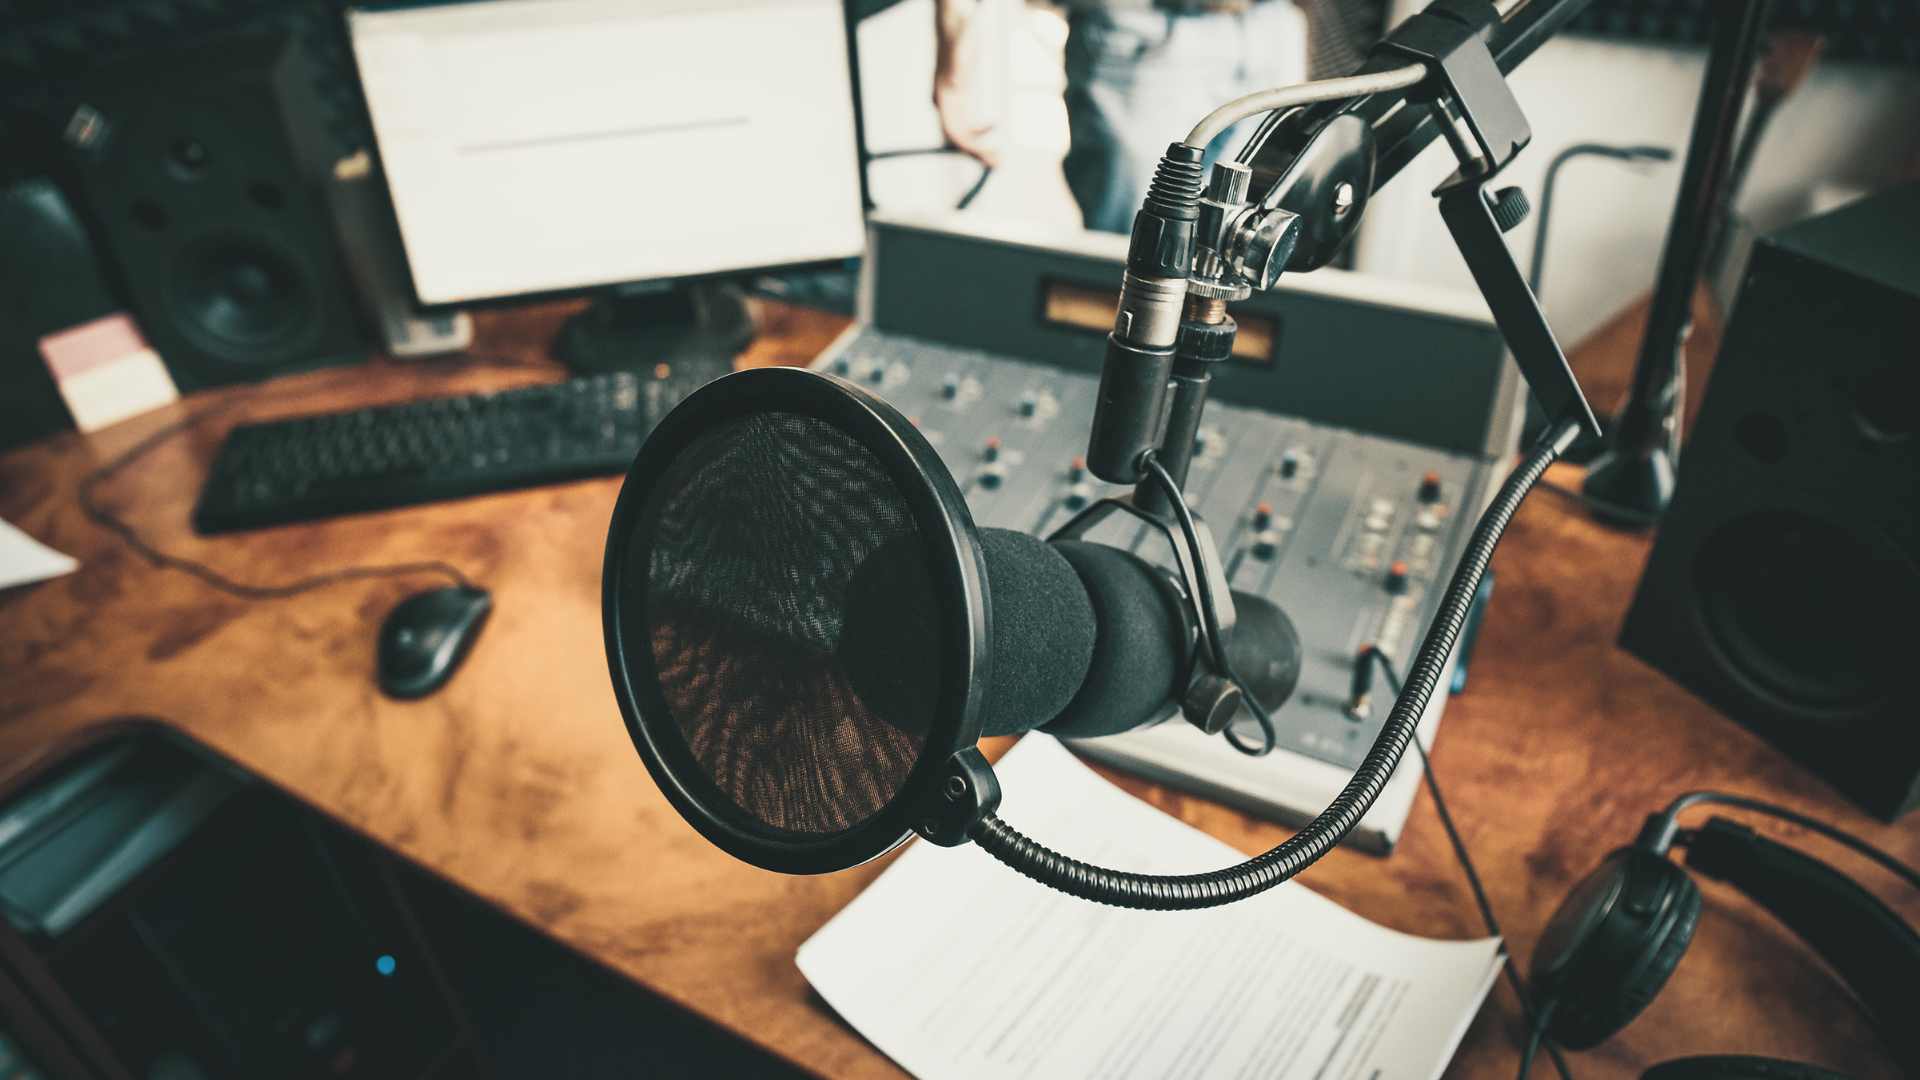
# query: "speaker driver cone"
x,y
1804,610
242,298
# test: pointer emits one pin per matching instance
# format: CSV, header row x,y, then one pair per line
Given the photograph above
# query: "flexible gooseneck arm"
x,y
1174,893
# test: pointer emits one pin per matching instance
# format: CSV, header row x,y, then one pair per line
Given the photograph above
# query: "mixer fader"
x,y
1339,471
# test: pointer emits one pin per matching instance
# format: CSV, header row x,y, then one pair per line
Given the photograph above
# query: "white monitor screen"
x,y
536,146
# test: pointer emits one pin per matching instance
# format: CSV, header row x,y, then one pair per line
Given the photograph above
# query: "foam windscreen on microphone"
x,y
1044,632
1041,641
1143,651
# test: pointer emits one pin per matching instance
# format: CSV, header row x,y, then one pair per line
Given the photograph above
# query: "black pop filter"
x,y
744,523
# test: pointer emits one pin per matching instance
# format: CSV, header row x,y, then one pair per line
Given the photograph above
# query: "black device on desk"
x,y
628,155
423,451
1781,584
163,913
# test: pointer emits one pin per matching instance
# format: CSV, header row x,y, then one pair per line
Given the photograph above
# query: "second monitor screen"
x,y
537,146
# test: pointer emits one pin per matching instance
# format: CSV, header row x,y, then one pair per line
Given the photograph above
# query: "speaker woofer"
x,y
243,298
1803,610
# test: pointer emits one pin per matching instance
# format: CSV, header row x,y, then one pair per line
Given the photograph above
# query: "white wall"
x,y
1853,123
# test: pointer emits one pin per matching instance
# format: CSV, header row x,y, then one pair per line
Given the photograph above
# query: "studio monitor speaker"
x,y
1784,587
200,172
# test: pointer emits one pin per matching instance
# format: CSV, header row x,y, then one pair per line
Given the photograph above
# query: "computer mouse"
x,y
426,636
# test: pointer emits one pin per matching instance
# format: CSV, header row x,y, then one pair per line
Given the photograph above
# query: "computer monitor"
x,y
642,147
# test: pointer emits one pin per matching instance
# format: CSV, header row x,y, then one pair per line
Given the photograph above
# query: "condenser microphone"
x,y
1127,413
807,634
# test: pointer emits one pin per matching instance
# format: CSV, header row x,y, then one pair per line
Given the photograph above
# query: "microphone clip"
x,y
967,792
1213,696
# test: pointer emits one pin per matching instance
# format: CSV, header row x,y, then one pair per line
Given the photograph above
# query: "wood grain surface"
x,y
517,780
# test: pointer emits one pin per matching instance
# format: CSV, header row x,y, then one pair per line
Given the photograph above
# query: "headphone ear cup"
x,y
1612,945
1673,940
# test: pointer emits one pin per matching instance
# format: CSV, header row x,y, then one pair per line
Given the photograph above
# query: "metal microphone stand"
x,y
1536,422
1631,482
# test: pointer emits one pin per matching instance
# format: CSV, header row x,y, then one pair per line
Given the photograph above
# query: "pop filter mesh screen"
x,y
763,522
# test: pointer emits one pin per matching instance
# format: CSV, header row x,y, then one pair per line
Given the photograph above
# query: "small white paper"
x,y
106,372
24,559
955,966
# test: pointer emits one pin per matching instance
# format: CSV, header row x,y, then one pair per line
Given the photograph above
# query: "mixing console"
x,y
1348,533
1341,462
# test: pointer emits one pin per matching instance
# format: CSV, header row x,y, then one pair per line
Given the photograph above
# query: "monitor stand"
x,y
687,324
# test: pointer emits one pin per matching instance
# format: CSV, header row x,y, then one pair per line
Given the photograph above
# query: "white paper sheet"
x,y
24,559
955,966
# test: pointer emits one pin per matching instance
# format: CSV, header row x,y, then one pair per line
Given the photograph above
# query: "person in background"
x,y
1139,73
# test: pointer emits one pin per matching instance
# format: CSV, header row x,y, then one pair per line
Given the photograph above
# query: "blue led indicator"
x,y
385,964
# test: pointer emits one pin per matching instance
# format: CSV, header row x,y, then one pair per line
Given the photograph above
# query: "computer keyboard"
x,y
399,455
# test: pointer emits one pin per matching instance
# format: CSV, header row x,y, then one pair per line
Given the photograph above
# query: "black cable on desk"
x,y
1667,827
1536,1035
1536,1018
106,519
1210,619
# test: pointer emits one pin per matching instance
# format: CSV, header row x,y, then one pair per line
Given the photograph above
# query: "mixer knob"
x,y
991,452
877,374
1077,471
1076,497
1027,405
1264,547
1397,578
1430,488
950,388
1290,463
841,366
1262,517
990,477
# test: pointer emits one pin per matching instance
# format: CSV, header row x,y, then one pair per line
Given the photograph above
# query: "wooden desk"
x,y
518,782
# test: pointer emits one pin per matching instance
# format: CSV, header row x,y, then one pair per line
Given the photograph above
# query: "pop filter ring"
x,y
949,786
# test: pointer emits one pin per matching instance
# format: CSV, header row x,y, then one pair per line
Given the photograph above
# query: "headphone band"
x,y
1662,830
1872,949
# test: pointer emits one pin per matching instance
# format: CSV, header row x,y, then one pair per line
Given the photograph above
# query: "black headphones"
x,y
1617,937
